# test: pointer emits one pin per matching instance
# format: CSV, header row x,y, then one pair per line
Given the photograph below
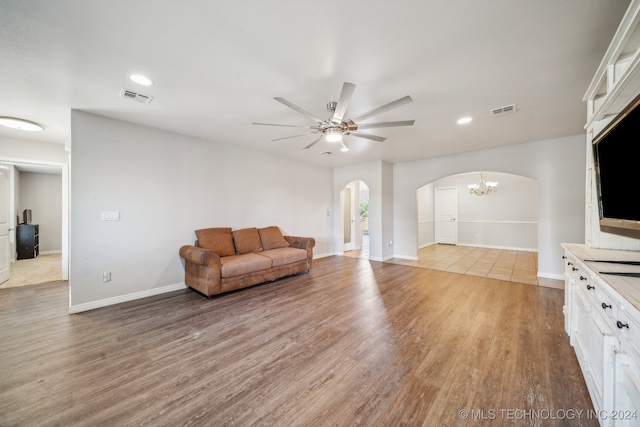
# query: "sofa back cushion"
x,y
219,240
272,238
247,240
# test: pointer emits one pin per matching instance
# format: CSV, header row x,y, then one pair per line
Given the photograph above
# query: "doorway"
x,y
41,188
479,234
446,208
355,220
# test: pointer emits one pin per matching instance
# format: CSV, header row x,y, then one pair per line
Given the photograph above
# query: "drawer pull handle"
x,y
605,306
583,278
564,257
569,263
574,269
589,287
622,325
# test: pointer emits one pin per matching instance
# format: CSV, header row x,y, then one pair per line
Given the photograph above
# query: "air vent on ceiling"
x,y
136,96
503,110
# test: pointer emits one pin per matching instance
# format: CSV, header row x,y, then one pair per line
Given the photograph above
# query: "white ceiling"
x,y
217,66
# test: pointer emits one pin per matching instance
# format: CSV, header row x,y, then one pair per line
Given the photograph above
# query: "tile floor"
x,y
512,266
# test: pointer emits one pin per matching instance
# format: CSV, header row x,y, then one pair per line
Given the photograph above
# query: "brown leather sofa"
x,y
223,260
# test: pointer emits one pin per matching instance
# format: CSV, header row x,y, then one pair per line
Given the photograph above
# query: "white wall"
x,y
557,165
426,217
42,193
26,149
506,218
378,176
165,186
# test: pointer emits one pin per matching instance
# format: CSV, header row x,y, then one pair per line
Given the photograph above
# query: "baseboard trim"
x,y
50,252
551,276
407,257
328,254
426,245
73,309
506,248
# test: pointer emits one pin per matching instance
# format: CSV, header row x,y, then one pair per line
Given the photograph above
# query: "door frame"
x,y
65,203
5,273
353,189
437,204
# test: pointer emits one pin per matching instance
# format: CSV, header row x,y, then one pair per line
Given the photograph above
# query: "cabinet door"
x,y
627,393
600,348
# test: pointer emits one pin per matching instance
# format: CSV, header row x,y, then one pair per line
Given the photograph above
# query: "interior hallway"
x,y
512,266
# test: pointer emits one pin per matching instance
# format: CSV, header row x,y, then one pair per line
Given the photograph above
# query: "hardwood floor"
x,y
351,343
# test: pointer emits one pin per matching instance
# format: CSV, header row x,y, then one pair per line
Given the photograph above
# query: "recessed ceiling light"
x,y
464,120
140,79
20,124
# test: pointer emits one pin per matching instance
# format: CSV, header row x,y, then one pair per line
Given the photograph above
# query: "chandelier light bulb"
x,y
482,188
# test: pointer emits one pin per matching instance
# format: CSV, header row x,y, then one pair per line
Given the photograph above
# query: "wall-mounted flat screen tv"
x,y
616,154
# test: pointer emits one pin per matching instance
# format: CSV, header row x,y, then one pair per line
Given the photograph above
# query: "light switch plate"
x,y
111,216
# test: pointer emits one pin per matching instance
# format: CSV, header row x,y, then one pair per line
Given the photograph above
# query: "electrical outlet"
x,y
390,243
106,277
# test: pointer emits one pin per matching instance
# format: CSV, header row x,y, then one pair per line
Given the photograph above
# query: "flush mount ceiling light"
x,y
464,120
483,188
141,80
20,124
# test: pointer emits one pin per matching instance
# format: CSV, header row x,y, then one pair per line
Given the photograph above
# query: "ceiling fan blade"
x,y
312,144
383,124
386,107
366,136
298,109
288,126
343,102
293,136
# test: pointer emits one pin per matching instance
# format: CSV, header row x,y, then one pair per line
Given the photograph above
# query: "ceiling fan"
x,y
335,127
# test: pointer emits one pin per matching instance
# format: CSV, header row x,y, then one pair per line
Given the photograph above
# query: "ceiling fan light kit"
x,y
336,127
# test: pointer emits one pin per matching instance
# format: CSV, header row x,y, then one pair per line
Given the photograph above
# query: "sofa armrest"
x,y
306,243
199,256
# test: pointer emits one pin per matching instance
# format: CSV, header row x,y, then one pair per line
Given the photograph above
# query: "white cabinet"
x,y
604,329
627,391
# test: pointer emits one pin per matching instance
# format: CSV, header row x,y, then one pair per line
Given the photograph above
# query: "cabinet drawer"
x,y
606,305
628,331
570,265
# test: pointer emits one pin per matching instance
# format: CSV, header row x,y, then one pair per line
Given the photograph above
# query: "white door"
x,y
349,218
446,206
5,256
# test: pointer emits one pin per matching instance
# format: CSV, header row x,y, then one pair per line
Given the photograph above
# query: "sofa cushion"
x,y
247,240
272,238
237,265
284,256
219,240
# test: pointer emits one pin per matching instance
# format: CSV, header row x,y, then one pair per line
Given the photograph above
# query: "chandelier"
x,y
482,188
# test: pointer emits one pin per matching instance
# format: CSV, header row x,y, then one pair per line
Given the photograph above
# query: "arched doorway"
x,y
496,231
354,200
